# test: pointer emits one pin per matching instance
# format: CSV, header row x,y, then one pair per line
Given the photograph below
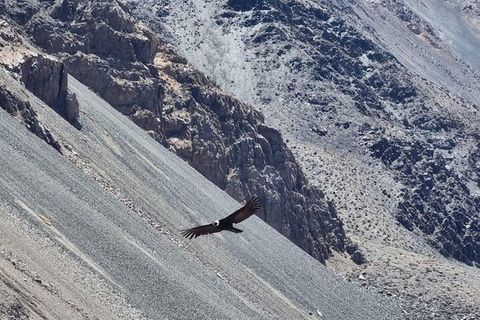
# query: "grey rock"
x,y
357,257
147,120
351,247
46,77
72,110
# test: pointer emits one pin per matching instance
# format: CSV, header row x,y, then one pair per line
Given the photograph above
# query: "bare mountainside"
x,y
93,232
379,105
396,151
326,87
437,40
102,45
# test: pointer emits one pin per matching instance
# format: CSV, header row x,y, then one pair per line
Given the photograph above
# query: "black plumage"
x,y
250,208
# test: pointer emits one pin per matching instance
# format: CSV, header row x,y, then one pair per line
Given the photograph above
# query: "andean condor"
x,y
238,216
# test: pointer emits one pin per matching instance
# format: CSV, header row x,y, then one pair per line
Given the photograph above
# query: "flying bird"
x,y
238,216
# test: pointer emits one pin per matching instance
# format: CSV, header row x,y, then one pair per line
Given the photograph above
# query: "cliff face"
x,y
17,58
227,142
379,129
43,75
100,44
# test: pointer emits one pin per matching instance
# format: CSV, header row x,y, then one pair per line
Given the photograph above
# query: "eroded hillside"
x,y
396,151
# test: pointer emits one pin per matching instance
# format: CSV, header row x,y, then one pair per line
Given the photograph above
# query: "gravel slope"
x,y
120,218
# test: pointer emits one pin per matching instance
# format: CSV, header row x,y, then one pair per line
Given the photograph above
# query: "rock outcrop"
x,y
228,143
22,110
14,57
43,75
47,78
426,168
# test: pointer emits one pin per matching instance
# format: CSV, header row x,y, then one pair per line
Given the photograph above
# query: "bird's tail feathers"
x,y
235,230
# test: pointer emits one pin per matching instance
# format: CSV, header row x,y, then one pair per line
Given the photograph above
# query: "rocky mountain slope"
x,y
318,80
437,40
93,232
395,145
227,141
379,104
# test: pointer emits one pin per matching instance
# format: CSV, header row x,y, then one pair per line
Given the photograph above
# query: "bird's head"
x,y
216,223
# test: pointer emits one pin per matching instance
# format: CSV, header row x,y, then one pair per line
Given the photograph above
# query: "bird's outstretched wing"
x,y
201,230
244,212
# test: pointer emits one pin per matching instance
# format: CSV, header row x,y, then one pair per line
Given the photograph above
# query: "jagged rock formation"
x,y
224,139
43,75
13,58
228,143
47,79
22,110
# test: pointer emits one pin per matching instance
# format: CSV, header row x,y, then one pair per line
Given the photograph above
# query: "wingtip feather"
x,y
188,233
255,202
